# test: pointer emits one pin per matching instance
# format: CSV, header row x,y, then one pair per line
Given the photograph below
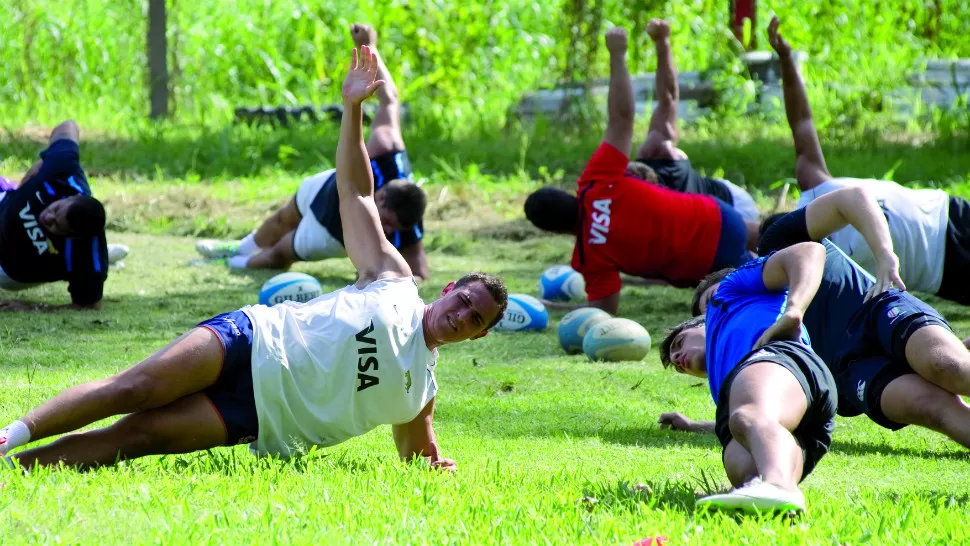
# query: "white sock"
x,y
13,436
238,262
248,245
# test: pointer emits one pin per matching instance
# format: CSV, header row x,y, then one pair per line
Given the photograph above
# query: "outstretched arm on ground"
x,y
799,268
679,421
385,134
367,247
417,439
810,169
620,106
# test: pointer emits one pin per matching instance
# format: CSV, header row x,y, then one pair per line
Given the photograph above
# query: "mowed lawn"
x,y
551,448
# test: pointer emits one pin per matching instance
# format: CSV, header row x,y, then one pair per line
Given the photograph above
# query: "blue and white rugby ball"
x,y
615,340
562,283
523,313
298,287
573,327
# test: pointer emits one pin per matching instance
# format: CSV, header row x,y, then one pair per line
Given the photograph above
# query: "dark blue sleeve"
x,y
747,279
787,230
62,165
86,259
408,237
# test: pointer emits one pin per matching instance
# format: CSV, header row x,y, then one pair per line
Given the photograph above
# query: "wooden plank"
x,y
157,59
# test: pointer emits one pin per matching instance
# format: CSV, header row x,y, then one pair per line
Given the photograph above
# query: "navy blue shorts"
x,y
732,245
232,394
874,351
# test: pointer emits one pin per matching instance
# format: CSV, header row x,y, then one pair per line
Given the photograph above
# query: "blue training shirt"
x,y
738,313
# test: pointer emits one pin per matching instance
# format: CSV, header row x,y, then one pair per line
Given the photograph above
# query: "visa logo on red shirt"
x,y
601,222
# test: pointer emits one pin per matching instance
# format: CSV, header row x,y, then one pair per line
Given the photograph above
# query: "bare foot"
x,y
363,35
658,29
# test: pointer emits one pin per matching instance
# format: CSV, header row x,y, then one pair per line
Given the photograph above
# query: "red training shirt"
x,y
638,228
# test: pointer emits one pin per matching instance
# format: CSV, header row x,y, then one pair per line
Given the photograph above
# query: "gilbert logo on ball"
x,y
573,327
298,287
523,313
616,339
562,283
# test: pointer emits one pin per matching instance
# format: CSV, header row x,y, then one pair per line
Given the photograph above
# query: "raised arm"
x,y
385,134
417,439
663,134
620,106
856,207
367,247
799,268
67,130
810,169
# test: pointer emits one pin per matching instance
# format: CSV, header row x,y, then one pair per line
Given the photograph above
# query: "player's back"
x,y
340,365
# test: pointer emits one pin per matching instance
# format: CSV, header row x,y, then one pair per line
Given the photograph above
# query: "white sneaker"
x,y
756,496
116,253
213,249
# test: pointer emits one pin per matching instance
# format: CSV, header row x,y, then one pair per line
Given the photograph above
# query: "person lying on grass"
x,y
309,228
930,229
290,376
623,225
658,158
894,357
775,398
52,229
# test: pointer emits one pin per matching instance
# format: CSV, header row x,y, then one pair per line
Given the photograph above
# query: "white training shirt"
x,y
339,365
917,224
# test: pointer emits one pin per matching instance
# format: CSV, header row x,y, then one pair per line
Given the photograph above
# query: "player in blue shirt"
x,y
893,356
52,229
309,227
775,398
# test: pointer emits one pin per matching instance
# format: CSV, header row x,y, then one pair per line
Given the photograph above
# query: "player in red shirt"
x,y
625,224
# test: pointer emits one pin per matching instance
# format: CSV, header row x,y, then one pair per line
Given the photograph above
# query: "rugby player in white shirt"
x,y
288,377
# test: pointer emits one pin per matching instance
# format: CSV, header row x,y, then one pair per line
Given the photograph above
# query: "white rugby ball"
x,y
616,339
573,327
298,287
562,283
524,312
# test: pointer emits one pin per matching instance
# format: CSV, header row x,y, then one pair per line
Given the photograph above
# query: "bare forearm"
x,y
796,101
666,78
66,130
387,93
803,266
621,105
354,175
857,208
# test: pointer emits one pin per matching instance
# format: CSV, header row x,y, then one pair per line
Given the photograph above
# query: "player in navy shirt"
x,y
775,398
52,229
309,228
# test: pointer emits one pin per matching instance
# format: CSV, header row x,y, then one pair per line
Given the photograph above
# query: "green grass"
x,y
534,432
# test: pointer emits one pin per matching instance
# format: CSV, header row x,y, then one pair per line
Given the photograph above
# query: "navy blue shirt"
x,y
841,293
387,167
740,311
28,253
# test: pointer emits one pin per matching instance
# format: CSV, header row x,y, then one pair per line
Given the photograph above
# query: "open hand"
x,y
658,29
675,421
887,275
777,42
361,81
616,40
445,465
363,35
788,327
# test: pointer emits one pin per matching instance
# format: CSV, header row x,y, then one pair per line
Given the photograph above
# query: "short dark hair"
x,y
85,216
496,288
688,324
768,221
406,199
710,280
642,171
552,209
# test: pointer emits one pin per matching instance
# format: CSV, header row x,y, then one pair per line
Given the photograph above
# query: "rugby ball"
x,y
523,313
298,287
573,327
616,339
562,283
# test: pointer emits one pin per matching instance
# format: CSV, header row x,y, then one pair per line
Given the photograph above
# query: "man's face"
x,y
463,313
688,352
54,218
389,220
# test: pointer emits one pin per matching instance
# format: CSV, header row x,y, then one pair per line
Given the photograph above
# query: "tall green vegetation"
x,y
462,64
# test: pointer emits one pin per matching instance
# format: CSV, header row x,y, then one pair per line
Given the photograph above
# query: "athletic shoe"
x,y
756,496
116,253
217,249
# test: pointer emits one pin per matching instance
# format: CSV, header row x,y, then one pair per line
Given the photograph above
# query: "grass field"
x,y
551,448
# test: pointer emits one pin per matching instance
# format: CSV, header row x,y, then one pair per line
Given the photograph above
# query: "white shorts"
x,y
312,241
6,283
743,202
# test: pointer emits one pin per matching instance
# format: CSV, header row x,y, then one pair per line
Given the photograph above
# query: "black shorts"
x,y
956,260
862,383
232,394
814,432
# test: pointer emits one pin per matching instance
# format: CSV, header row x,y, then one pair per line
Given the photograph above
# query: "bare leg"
x,y
938,356
279,256
913,400
186,425
766,404
186,366
385,134
739,464
663,135
278,225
